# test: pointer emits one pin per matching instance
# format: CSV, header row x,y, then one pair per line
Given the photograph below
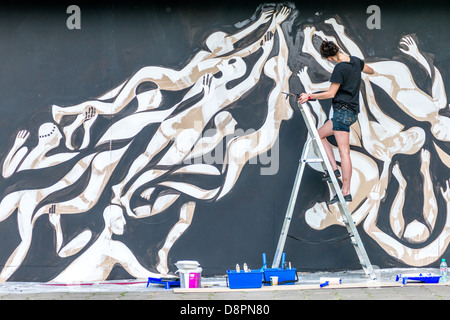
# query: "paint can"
x,y
190,278
273,280
190,274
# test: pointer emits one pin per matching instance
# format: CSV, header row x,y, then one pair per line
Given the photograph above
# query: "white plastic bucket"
x,y
190,274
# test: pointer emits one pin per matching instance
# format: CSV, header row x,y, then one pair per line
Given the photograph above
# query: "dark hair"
x,y
328,49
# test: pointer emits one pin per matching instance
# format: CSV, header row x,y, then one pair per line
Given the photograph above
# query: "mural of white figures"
x,y
383,138
136,153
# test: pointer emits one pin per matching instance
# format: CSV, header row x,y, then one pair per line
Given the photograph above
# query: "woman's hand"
x,y
304,97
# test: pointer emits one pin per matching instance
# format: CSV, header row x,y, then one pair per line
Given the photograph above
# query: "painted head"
x,y
233,68
49,133
113,216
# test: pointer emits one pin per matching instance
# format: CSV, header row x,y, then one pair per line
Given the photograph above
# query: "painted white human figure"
x,y
129,126
224,125
385,132
186,215
415,231
26,202
377,138
220,45
186,127
96,263
75,244
380,137
395,78
411,255
19,158
242,149
408,96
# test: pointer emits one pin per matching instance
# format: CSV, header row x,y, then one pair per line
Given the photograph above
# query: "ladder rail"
x,y
334,186
343,208
291,205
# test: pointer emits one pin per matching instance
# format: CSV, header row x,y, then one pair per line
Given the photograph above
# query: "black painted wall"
x,y
44,63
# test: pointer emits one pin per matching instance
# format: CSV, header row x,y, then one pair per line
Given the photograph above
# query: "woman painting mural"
x,y
344,92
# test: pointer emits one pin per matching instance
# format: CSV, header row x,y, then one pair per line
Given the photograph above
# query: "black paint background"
x,y
44,63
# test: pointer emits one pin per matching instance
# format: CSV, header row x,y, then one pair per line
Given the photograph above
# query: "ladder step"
x,y
312,160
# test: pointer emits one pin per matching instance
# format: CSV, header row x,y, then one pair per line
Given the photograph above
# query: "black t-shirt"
x,y
348,74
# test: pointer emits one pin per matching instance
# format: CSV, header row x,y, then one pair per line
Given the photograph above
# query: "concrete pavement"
x,y
355,286
407,292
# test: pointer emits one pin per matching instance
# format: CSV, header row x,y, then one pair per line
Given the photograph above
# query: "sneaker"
x,y
326,176
347,198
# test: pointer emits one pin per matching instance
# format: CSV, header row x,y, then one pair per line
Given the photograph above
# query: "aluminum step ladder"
x,y
314,141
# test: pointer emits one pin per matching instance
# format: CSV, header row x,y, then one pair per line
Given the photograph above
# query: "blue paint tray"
x,y
285,276
166,282
426,278
244,280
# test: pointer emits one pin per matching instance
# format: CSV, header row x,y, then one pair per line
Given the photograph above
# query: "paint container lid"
x,y
187,264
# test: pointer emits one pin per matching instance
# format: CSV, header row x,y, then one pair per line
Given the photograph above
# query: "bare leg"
x,y
325,131
342,139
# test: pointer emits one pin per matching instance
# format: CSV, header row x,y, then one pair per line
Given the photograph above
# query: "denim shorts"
x,y
343,118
